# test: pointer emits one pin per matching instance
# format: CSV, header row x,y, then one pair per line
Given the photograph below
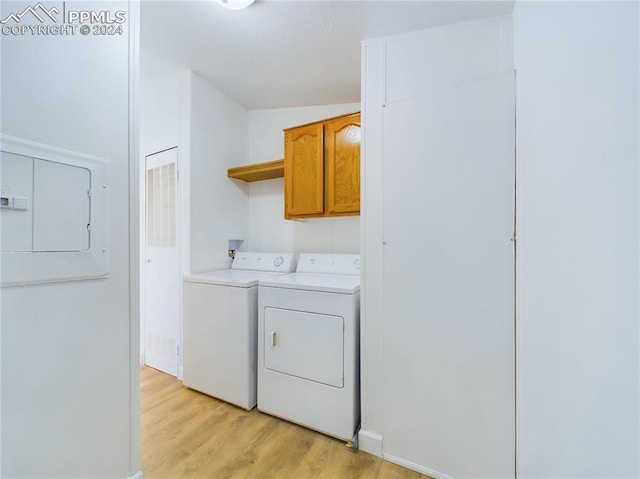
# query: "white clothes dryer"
x,y
220,320
308,344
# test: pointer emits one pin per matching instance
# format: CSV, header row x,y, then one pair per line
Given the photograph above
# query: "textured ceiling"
x,y
285,53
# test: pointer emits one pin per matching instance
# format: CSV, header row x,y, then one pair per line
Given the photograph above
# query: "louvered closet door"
x,y
163,278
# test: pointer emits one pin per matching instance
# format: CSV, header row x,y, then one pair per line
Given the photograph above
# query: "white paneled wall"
x,y
437,325
268,230
577,335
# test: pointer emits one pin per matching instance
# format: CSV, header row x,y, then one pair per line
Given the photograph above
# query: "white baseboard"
x,y
371,442
416,467
137,475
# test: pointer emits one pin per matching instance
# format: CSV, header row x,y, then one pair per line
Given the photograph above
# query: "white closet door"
x,y
449,161
163,277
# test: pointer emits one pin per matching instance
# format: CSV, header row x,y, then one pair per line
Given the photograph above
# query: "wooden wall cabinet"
x,y
322,168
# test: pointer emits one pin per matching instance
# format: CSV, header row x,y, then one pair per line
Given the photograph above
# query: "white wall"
x,y
68,409
209,129
165,122
214,133
577,66
269,231
166,119
219,206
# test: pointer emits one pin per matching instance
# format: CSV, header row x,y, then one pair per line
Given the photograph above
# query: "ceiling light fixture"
x,y
235,4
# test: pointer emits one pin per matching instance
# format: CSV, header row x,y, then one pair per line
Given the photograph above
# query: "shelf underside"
x,y
258,171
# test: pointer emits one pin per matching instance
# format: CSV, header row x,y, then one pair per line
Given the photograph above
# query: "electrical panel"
x,y
53,214
45,205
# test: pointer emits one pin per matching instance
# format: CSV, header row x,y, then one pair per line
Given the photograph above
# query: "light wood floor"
x,y
186,434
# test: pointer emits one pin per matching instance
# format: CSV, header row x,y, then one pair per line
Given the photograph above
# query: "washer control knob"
x,y
356,263
278,261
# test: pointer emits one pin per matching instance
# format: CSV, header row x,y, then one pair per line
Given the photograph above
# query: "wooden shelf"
x,y
258,171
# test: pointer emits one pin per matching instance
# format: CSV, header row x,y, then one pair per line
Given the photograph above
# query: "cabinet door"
x,y
342,163
304,171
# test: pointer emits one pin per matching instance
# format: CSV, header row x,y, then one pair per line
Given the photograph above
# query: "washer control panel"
x,y
329,264
279,262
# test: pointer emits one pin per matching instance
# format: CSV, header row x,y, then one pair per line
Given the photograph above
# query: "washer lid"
x,y
230,277
326,283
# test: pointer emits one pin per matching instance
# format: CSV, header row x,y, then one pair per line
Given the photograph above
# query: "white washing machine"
x,y
308,344
220,320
